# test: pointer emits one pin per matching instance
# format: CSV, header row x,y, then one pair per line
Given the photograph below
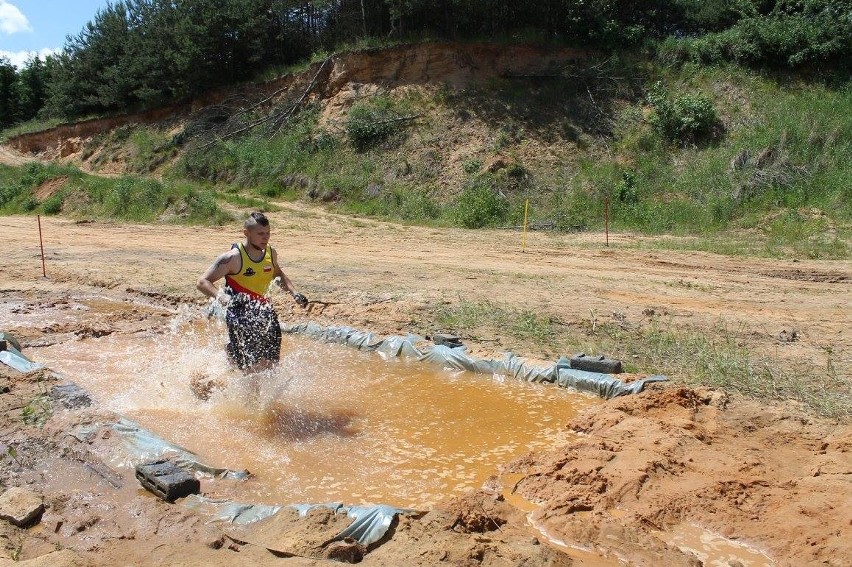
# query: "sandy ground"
x,y
651,473
13,158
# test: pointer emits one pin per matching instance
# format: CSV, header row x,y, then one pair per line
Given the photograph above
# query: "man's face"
x,y
257,236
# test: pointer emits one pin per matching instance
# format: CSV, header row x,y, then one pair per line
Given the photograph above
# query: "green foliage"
x,y
416,205
8,93
688,117
17,186
480,205
532,326
125,198
627,191
399,203
472,166
150,149
38,411
519,325
134,199
258,159
794,34
144,52
9,192
372,122
51,206
28,126
202,205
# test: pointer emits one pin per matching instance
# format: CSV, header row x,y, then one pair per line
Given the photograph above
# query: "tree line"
x,y
138,53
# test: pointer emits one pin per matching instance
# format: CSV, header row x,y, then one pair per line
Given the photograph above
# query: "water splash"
x,y
327,422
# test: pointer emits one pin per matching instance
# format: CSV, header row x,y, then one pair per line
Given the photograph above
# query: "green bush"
x,y
416,205
16,188
472,166
795,34
325,141
689,117
135,199
202,205
371,123
480,205
29,204
53,204
627,191
9,192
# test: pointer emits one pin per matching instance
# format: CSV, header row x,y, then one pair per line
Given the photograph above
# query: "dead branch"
x,y
301,98
398,119
278,119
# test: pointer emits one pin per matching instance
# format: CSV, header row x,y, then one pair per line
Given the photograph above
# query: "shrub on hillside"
x,y
688,117
9,192
135,199
371,123
480,205
627,190
202,205
53,204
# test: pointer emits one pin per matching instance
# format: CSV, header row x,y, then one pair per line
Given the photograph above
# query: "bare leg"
x,y
255,376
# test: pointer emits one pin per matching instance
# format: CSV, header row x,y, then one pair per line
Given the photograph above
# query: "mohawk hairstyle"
x,y
256,218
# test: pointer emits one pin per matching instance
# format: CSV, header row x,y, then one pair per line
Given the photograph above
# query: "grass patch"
x,y
801,239
18,187
715,357
28,127
149,149
718,359
126,198
246,201
37,412
488,317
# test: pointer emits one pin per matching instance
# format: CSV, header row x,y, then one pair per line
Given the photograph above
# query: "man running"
x,y
248,268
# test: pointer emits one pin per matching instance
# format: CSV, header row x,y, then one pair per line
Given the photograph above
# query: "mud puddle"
x,y
710,548
329,423
713,549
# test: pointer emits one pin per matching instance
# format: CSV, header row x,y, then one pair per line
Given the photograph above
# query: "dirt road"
x,y
381,275
668,459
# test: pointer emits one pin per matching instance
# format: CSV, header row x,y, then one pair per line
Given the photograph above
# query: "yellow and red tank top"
x,y
254,278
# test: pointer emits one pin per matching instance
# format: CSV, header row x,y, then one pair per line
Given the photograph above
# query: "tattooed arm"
x,y
227,263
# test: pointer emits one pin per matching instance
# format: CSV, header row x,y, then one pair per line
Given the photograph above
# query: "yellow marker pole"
x,y
524,239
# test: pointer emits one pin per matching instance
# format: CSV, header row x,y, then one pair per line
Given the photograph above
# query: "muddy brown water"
x,y
329,423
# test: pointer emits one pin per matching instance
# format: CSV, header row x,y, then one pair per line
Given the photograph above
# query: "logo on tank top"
x,y
249,272
267,268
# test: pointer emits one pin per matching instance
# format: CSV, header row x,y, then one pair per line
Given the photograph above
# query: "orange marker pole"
x,y
606,219
41,243
524,239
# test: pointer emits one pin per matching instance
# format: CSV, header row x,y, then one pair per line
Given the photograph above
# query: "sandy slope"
x,y
10,157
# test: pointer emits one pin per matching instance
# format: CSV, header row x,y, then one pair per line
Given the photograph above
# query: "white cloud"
x,y
12,20
19,58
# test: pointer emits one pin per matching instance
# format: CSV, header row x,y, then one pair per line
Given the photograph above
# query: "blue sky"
x,y
40,26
